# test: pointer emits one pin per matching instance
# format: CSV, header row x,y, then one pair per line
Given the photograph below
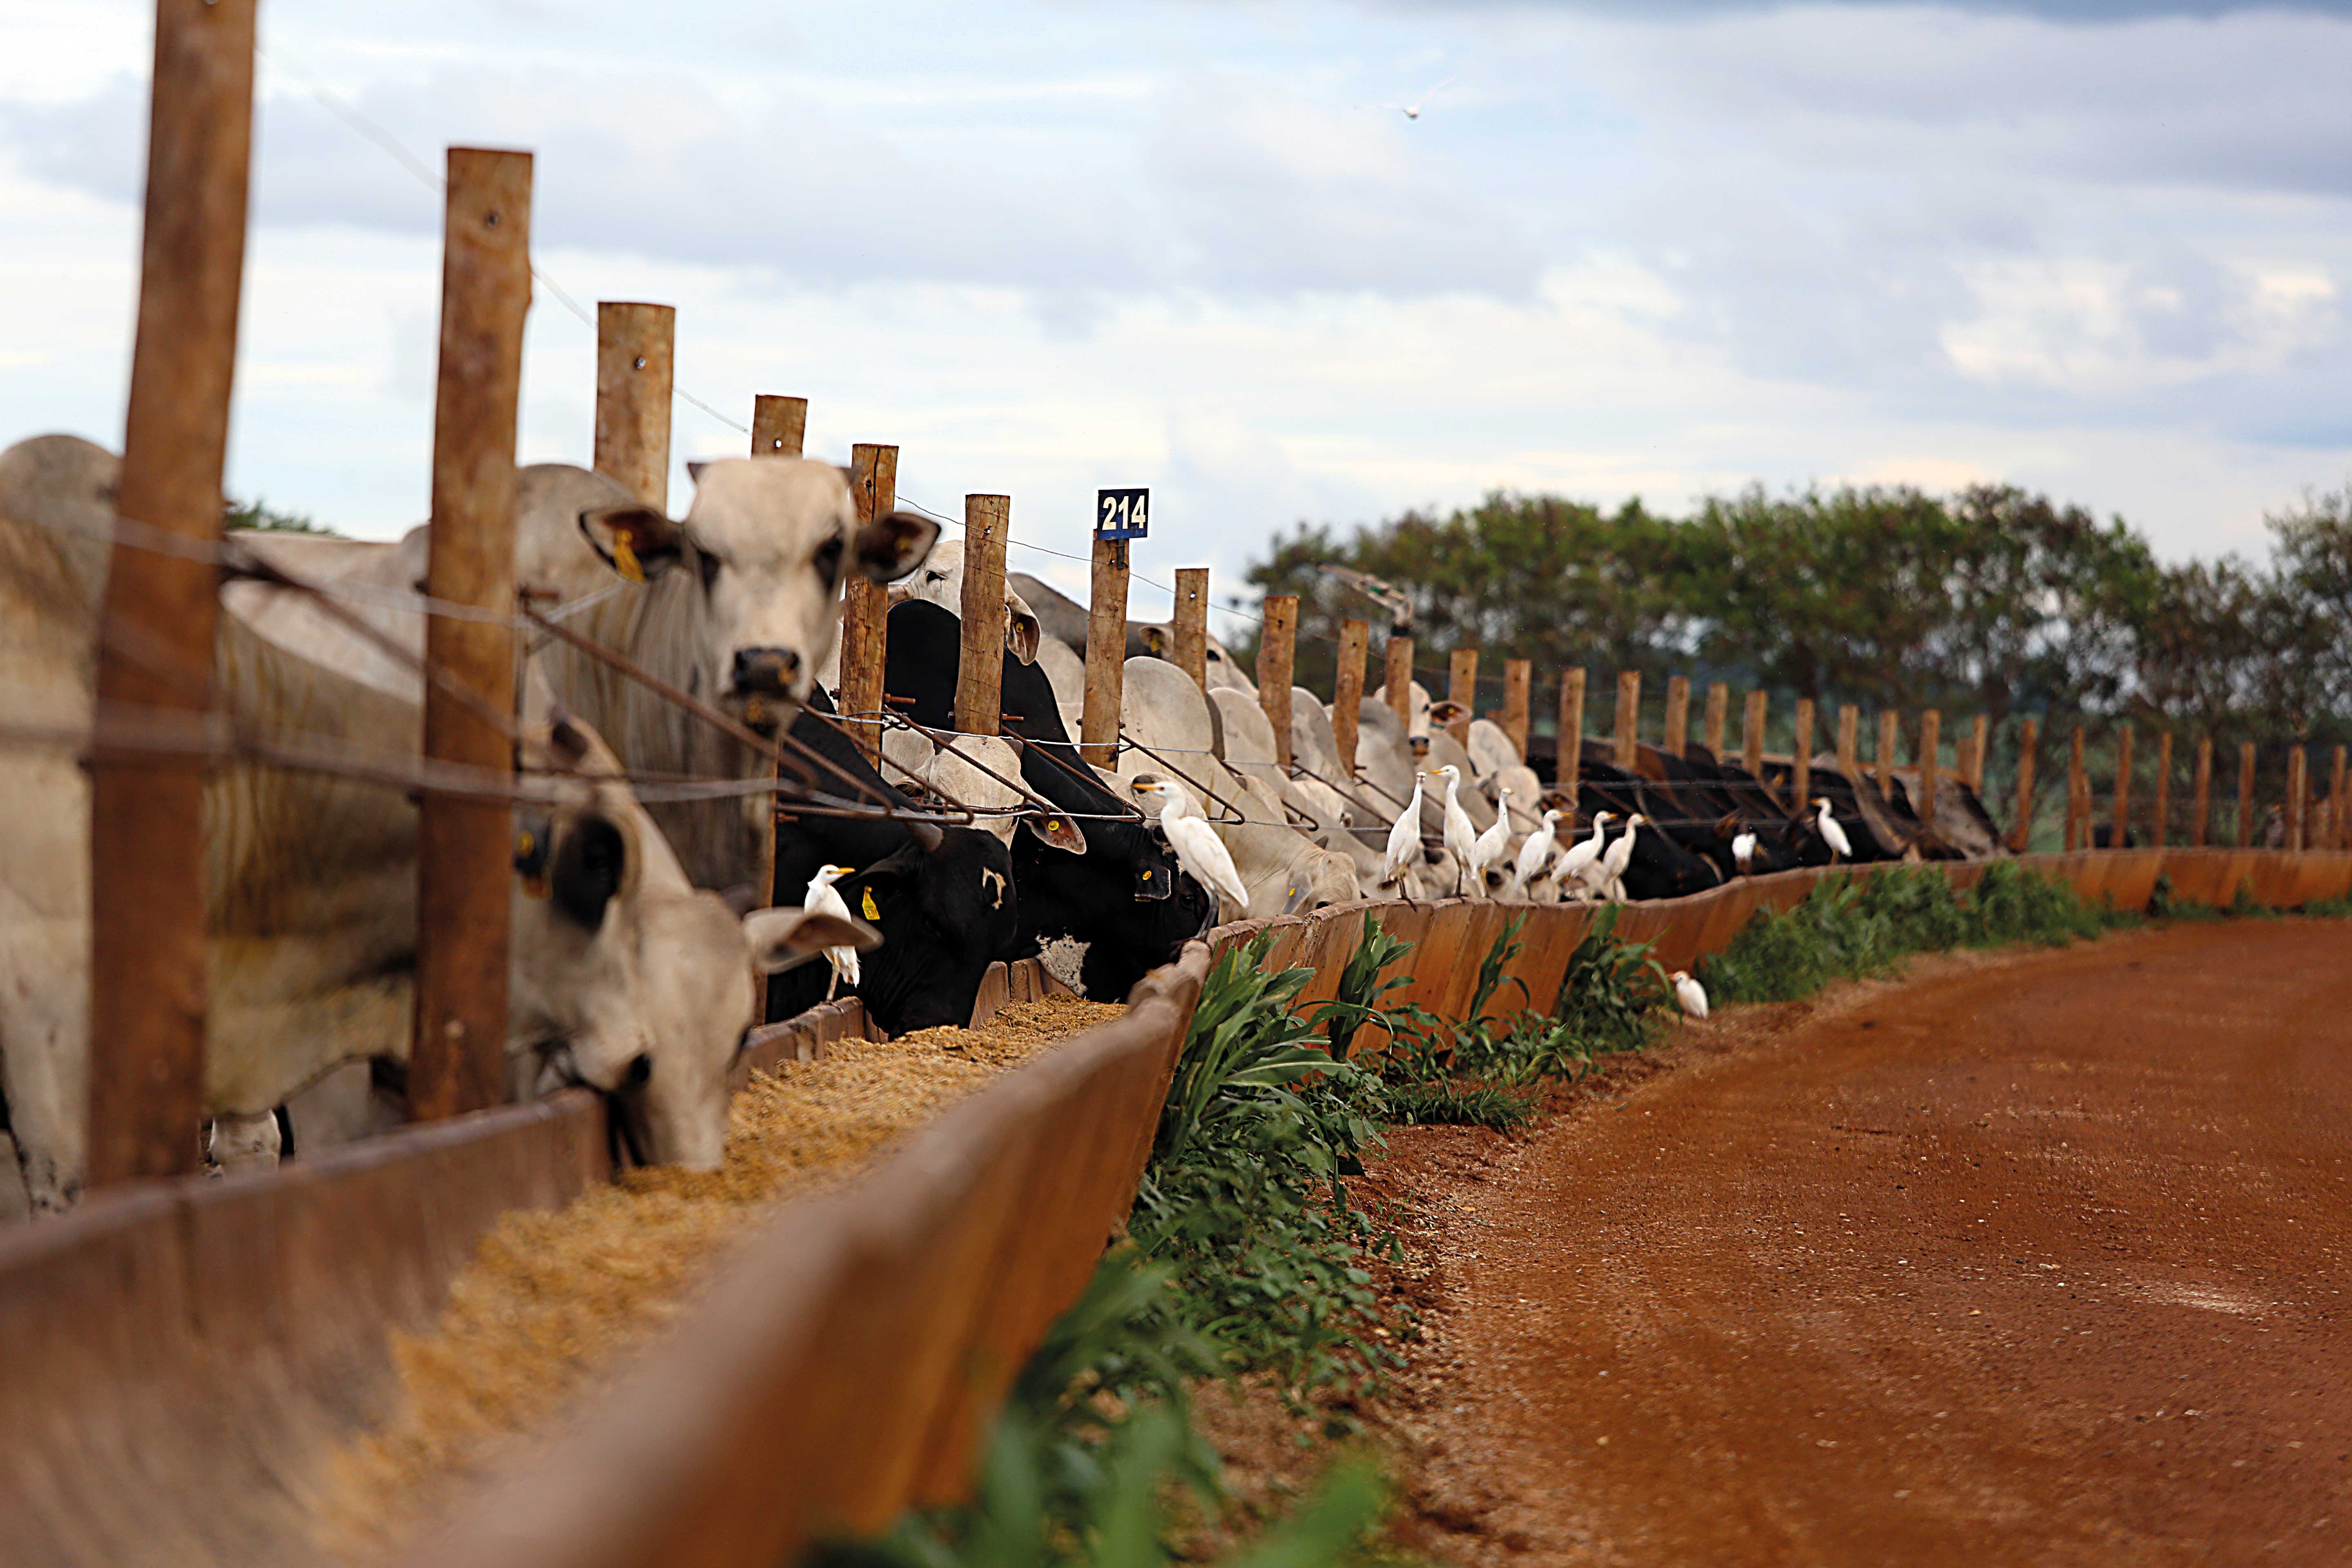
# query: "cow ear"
x,y
780,937
592,866
1021,629
893,546
635,539
1057,831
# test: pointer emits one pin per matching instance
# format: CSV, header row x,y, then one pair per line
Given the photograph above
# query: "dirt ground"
x,y
2029,1259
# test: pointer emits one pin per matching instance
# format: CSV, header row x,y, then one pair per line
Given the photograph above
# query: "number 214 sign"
x,y
1122,514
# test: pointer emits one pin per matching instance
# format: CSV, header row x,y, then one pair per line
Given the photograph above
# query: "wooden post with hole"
x,y
1190,624
1719,715
1517,675
1931,761
636,349
1890,726
2200,798
1677,738
980,661
2163,787
2029,737
1569,767
2078,789
1751,738
864,604
1629,717
1979,742
2297,775
465,848
2339,833
1105,654
1348,693
1462,691
155,647
2118,834
2245,794
1848,751
1800,757
779,426
1277,655
1396,674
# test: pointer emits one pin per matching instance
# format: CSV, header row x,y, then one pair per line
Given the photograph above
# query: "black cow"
x,y
1662,867
945,913
1123,903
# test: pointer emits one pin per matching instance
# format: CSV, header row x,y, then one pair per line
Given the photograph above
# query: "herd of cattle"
x,y
633,967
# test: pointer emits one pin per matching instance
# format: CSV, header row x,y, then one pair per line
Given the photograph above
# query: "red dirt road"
x,y
2037,1261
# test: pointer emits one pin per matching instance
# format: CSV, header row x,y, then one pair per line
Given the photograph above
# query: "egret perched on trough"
x,y
1743,852
1488,848
1198,850
1461,832
1831,834
1404,842
1689,993
824,898
1534,853
1617,856
1577,859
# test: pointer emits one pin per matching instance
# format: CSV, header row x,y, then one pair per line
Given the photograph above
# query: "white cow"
x,y
622,974
939,580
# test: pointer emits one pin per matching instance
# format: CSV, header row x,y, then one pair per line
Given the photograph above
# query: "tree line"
x,y
1991,601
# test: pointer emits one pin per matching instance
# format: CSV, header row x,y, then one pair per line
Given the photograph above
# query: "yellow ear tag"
x,y
865,901
626,559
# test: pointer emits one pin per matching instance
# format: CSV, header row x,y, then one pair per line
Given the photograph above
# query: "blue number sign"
x,y
1122,514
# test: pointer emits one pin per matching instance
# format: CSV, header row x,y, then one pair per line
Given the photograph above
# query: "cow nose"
x,y
765,671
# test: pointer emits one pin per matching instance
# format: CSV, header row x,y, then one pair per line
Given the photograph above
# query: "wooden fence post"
x,y
980,663
1800,757
1517,675
1890,725
1190,624
2077,790
465,848
1277,654
1396,675
2118,834
779,426
1347,692
1105,655
1462,691
1677,713
1931,746
1570,765
1751,738
2339,831
1979,742
865,605
2245,794
1718,714
155,649
2201,806
1848,751
2020,832
2163,786
2297,775
635,350
1629,717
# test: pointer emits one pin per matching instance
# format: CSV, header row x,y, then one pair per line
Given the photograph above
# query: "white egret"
x,y
1413,111
1689,993
1831,834
1488,848
1198,848
1617,856
1535,852
1577,858
1404,843
1743,852
824,898
1461,832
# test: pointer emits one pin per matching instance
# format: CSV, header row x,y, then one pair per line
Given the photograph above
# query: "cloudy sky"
x,y
2093,246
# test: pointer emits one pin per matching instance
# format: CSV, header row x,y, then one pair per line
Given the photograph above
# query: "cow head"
x,y
940,581
763,550
627,979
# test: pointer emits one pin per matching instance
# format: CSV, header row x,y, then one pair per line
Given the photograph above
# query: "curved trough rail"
x,y
180,1355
